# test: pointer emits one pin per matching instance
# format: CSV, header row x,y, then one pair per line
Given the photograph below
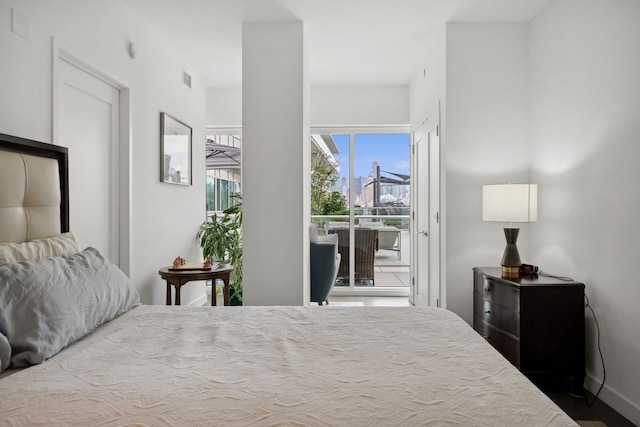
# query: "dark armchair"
x,y
324,260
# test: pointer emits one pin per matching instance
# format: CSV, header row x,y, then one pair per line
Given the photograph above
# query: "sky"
x,y
390,150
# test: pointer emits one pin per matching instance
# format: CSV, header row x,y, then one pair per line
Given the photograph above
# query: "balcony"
x,y
392,257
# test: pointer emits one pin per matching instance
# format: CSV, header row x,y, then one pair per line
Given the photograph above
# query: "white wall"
x,y
487,142
585,88
428,88
330,106
359,105
165,218
25,79
276,164
224,107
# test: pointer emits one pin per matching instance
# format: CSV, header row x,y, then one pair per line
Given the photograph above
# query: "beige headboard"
x,y
33,189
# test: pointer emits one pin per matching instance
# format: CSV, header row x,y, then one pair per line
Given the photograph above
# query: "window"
x,y
219,193
223,168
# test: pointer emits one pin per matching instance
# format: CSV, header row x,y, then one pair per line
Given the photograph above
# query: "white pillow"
x,y
332,238
313,232
329,238
58,245
314,237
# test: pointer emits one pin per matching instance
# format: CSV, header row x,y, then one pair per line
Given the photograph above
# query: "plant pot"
x,y
234,301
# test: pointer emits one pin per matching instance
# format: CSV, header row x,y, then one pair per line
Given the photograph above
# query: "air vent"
x,y
186,78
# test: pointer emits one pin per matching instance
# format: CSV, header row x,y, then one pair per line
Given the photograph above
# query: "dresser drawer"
x,y
501,317
508,296
507,345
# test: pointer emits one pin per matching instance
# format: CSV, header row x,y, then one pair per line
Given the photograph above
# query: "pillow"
x,y
47,304
315,238
313,232
58,245
329,238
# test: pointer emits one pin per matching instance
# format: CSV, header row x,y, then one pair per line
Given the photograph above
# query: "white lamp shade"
x,y
510,202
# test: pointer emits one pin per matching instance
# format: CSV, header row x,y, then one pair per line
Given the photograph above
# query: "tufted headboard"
x,y
34,189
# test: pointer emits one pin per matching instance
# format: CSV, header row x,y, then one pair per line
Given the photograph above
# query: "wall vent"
x,y
186,78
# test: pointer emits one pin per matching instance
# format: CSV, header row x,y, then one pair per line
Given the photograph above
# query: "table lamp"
x,y
510,203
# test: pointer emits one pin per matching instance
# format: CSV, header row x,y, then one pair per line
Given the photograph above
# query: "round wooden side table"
x,y
178,278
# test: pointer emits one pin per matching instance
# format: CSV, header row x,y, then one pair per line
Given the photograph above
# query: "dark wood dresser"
x,y
536,322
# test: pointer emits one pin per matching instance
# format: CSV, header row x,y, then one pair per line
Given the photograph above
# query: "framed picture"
x,y
175,151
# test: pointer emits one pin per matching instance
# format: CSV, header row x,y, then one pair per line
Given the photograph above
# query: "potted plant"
x,y
221,239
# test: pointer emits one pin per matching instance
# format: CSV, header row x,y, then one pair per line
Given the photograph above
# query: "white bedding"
x,y
158,365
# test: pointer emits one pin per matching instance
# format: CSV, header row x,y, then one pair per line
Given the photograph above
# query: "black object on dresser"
x,y
536,322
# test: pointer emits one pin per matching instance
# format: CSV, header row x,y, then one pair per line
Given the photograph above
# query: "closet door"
x,y
88,123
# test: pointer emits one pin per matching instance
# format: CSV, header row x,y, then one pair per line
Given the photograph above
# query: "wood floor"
x,y
577,408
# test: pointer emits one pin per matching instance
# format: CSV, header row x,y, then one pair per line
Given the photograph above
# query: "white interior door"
x,y
88,123
425,217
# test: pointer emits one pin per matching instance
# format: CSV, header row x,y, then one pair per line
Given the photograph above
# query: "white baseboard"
x,y
611,397
199,302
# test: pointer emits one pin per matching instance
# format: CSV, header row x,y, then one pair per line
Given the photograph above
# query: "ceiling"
x,y
350,42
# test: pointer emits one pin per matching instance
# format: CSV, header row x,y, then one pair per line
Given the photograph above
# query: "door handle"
x,y
423,232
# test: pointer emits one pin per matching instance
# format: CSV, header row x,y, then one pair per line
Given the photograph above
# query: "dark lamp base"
x,y
511,258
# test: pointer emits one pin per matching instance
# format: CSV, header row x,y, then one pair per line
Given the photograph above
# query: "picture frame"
x,y
175,150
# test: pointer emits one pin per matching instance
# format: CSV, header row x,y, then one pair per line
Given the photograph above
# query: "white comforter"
x,y
180,366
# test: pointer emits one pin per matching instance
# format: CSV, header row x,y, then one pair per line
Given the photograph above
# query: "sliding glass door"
x,y
365,201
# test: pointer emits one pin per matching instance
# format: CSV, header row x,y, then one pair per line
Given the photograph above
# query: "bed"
x,y
122,363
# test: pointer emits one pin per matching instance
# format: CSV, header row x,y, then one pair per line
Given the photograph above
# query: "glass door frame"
x,y
352,289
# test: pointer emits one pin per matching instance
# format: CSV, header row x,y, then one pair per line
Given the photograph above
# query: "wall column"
x,y
275,164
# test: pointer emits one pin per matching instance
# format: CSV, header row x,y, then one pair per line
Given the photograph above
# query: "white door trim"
x,y
435,283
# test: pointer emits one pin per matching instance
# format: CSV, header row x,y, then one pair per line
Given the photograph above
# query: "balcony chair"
x,y
388,236
389,239
366,246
